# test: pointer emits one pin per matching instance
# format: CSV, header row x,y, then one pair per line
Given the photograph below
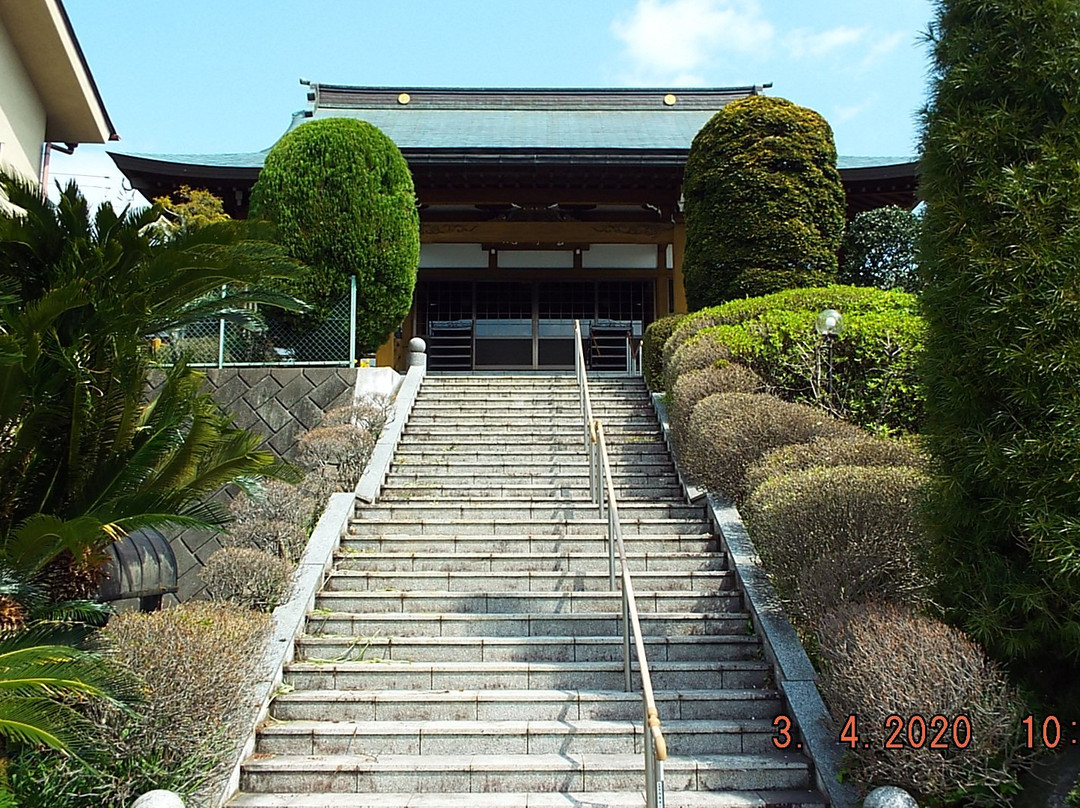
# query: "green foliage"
x,y
831,535
83,457
695,385
341,196
652,349
193,207
875,360
879,249
1001,236
764,202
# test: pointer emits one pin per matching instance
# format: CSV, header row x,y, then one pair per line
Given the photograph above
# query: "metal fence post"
x,y
352,321
221,336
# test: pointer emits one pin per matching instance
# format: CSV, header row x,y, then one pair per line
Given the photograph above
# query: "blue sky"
x,y
204,77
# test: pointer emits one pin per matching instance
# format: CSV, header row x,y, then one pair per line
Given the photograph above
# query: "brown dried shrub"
x,y
700,351
198,662
728,432
693,386
275,520
345,448
841,534
881,661
252,579
862,449
369,414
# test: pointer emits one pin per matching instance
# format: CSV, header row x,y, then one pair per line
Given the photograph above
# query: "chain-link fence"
x,y
218,342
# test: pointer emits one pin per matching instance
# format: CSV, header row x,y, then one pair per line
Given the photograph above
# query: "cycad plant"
x,y
84,457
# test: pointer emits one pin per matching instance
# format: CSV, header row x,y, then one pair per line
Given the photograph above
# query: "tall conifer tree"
x,y
1000,256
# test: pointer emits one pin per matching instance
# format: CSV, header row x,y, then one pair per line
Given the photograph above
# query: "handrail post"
x,y
626,641
650,758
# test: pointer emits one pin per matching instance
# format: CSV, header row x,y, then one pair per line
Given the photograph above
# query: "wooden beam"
x,y
570,233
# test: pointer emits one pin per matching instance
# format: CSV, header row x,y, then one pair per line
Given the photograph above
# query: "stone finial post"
x,y
417,355
889,797
159,799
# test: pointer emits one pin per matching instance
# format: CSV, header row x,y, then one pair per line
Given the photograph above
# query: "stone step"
x,y
536,527
523,705
406,512
525,602
521,581
532,773
512,465
540,562
564,407
409,474
563,490
494,737
569,448
573,799
522,542
599,624
321,648
679,675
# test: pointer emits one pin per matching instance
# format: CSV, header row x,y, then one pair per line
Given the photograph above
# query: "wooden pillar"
x,y
677,250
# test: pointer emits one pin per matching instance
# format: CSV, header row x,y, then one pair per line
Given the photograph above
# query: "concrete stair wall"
x,y
466,651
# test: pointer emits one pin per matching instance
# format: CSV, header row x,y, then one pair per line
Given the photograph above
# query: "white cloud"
x,y
802,42
843,114
675,39
882,48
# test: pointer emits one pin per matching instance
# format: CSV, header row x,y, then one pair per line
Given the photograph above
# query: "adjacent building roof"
x,y
42,34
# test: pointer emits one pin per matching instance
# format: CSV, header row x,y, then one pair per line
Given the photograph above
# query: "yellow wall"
x,y
22,115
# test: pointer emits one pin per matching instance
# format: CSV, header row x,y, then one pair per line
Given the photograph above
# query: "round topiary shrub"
x,y
275,519
886,666
652,349
690,325
857,450
345,448
693,386
764,202
700,351
247,577
341,196
728,432
841,534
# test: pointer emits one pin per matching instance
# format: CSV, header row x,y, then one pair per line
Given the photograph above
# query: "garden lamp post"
x,y
828,325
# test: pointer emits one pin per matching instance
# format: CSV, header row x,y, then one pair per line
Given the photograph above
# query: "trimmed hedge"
x,y
875,360
858,450
652,349
341,196
764,205
703,350
695,385
841,534
728,432
881,661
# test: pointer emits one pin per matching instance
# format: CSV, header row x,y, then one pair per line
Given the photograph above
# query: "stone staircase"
x,y
466,650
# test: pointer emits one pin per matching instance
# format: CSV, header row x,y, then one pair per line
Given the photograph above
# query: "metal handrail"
x,y
602,487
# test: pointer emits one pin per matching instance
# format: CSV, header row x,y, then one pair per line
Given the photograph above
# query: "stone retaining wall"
x,y
280,402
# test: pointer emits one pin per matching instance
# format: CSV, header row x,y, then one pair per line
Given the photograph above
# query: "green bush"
x,y
693,386
702,350
841,534
857,450
881,661
879,249
341,196
249,578
728,432
198,662
1001,236
875,359
652,349
764,202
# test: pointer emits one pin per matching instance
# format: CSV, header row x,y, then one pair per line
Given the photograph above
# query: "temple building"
x,y
537,207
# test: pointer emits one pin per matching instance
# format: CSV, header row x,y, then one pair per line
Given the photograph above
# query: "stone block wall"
x,y
280,402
